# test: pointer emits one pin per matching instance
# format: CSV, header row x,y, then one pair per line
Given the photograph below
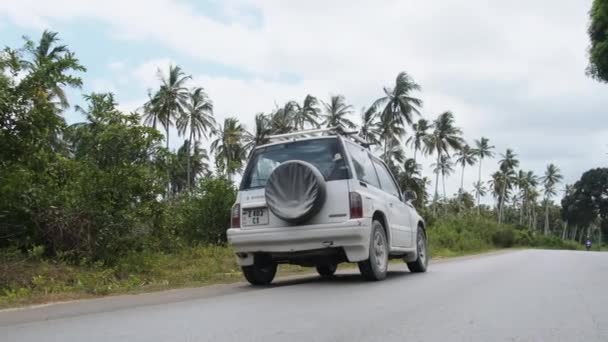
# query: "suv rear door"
x,y
325,153
399,211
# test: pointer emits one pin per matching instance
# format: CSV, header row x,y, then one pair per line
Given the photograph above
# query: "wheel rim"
x,y
421,248
380,251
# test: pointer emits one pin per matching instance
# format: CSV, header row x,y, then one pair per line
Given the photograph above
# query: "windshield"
x,y
325,154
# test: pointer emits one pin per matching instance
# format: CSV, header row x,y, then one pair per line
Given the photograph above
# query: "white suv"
x,y
319,198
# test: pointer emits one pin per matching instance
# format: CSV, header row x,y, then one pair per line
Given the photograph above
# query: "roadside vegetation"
x,y
107,206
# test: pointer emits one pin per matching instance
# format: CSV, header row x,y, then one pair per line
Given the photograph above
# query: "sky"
x,y
512,71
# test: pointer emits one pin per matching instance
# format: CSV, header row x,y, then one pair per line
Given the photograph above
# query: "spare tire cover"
x,y
295,191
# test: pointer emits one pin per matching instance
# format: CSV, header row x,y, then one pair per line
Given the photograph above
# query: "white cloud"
x,y
147,73
512,71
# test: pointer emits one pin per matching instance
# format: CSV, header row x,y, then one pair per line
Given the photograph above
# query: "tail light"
x,y
356,205
235,216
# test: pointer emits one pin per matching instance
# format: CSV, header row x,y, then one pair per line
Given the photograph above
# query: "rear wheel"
x,y
327,270
375,267
421,262
260,274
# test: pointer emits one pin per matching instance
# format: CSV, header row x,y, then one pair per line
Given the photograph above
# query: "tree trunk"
x,y
462,179
168,168
479,182
521,212
189,168
415,150
564,230
573,236
546,216
502,201
436,187
445,197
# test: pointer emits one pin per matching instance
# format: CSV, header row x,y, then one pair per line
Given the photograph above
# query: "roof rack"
x,y
353,135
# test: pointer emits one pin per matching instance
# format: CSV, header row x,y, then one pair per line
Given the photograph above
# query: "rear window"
x,y
326,154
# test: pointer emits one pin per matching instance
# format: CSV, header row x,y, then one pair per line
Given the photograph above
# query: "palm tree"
x,y
550,180
370,127
101,109
169,101
531,184
262,129
568,191
228,147
443,166
282,119
411,179
49,57
151,115
390,133
445,137
532,203
394,157
482,150
521,181
480,190
189,162
398,105
507,166
336,112
495,183
465,156
421,128
307,113
196,120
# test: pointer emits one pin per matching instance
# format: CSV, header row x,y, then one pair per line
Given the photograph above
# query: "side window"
x,y
363,165
386,181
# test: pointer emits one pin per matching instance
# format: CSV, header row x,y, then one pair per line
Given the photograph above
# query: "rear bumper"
x,y
352,235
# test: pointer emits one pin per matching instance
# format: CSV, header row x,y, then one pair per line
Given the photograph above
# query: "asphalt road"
x,y
529,295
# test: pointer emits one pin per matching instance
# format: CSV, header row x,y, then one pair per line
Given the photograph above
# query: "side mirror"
x,y
409,196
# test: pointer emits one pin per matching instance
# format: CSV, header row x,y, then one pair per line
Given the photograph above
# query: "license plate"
x,y
255,216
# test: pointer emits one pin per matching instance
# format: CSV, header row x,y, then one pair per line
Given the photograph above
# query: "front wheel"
x,y
327,271
260,274
420,264
374,268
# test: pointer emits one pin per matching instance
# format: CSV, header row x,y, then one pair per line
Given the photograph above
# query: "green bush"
x,y
504,237
204,216
523,238
468,233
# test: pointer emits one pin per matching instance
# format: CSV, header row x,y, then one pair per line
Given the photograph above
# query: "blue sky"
x,y
512,71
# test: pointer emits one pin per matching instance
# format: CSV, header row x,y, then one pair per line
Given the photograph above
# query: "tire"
x,y
374,268
295,191
327,270
258,275
422,259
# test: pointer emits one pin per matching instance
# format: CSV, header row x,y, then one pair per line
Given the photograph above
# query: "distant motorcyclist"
x,y
588,244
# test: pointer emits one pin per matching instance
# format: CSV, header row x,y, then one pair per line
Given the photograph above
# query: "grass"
x,y
32,279
25,281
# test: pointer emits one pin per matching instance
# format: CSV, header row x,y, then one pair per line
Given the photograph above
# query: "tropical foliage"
x,y
598,34
115,183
